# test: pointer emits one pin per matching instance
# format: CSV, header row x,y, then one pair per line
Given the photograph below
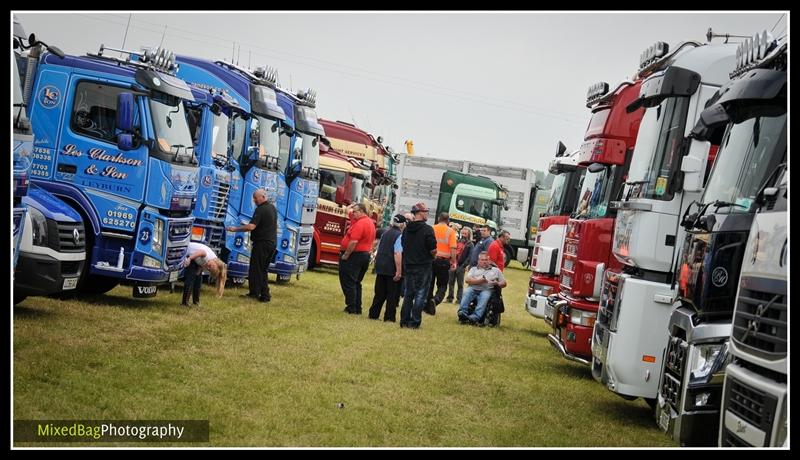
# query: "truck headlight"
x,y
38,227
158,235
247,243
151,262
705,360
292,239
243,259
581,317
288,259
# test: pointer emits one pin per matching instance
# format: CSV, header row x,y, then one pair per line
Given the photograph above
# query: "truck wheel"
x,y
312,257
100,285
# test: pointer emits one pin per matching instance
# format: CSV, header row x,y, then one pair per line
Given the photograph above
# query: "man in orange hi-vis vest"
x,y
443,263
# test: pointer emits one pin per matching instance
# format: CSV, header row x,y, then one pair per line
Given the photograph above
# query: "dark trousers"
x,y
260,258
386,289
192,278
351,273
456,277
418,281
441,273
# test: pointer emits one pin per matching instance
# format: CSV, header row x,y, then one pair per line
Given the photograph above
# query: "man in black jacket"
x,y
263,228
388,271
419,247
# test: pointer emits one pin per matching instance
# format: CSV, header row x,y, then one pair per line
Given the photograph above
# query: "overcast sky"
x,y
499,88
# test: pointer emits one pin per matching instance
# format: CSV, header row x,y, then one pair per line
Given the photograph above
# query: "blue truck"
x,y
48,251
255,132
300,144
111,139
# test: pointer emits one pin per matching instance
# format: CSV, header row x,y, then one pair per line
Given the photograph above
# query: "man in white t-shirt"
x,y
481,280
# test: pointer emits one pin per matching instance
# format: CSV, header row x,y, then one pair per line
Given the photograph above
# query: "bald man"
x,y
263,228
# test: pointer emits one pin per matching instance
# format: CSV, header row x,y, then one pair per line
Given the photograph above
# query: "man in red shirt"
x,y
497,252
354,257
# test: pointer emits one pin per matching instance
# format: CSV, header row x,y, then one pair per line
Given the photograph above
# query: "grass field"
x,y
275,374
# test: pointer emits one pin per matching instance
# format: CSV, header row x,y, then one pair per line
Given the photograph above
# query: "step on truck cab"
x,y
750,114
551,231
111,140
302,178
668,172
606,153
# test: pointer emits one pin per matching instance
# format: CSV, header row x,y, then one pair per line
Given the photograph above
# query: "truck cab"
x,y
667,173
340,185
606,154
49,242
750,112
365,149
471,200
551,231
301,173
111,140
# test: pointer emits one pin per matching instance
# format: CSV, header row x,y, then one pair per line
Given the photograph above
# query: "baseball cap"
x,y
419,207
399,219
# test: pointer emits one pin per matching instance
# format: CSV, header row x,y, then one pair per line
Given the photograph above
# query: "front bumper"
x,y
41,274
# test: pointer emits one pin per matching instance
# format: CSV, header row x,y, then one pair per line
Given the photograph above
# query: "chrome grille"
x,y
760,322
219,200
752,405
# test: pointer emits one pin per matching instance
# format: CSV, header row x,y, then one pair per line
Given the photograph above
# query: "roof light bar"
x,y
159,59
595,92
752,51
309,96
653,53
267,73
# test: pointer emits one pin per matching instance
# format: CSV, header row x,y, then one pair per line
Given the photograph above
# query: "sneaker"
x,y
264,299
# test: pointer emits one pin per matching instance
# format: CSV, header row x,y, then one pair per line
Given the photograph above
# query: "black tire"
x,y
100,285
653,403
312,257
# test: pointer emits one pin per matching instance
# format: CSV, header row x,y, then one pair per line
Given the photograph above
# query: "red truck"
x,y
606,153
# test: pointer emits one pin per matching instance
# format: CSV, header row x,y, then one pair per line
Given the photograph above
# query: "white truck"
x,y
419,179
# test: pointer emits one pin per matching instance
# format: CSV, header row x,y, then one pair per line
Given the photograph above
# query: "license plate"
x,y
173,276
663,419
70,283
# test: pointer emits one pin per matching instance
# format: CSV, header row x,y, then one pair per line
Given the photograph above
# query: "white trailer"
x,y
419,177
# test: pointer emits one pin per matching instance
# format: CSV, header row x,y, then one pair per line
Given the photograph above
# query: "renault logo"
x,y
76,236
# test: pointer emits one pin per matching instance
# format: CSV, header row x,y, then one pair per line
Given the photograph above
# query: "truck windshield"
x,y
557,194
171,129
265,134
595,193
657,155
239,126
479,207
310,151
328,182
749,152
219,136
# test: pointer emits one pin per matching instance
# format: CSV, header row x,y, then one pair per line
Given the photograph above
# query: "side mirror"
x,y
56,51
596,167
125,141
295,168
125,111
560,149
693,166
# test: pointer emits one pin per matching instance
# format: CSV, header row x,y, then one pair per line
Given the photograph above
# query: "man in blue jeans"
x,y
481,280
419,246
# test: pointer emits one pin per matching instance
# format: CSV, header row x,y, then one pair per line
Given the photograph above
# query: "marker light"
x,y
595,92
751,51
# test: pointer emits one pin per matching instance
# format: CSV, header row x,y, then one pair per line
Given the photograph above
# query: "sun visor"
x,y
264,102
673,82
163,83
